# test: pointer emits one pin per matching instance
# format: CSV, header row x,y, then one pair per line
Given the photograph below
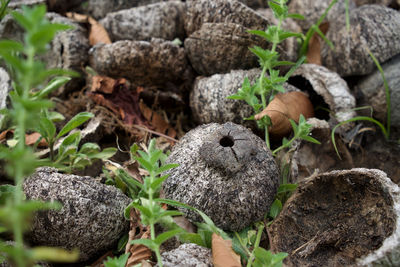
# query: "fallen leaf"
x,y
30,139
3,134
284,107
139,252
223,254
97,33
157,121
314,46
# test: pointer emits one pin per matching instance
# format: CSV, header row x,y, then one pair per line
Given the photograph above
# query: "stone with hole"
x,y
225,171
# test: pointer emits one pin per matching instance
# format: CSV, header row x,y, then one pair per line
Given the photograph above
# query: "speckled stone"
x,y
225,171
161,20
255,3
144,63
372,26
91,218
313,9
209,102
221,11
188,255
370,2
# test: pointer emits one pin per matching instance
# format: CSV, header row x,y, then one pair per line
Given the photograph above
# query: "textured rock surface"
x,y
332,88
100,8
221,47
209,103
68,50
374,94
221,11
350,56
370,2
226,171
18,3
91,218
5,88
161,20
313,9
188,255
144,63
255,3
336,218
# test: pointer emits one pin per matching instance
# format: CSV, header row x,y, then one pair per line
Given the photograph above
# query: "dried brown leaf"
x,y
314,46
157,121
97,32
284,107
30,139
139,252
223,254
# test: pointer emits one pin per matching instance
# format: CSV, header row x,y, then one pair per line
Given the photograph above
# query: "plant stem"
x,y
256,244
286,145
151,222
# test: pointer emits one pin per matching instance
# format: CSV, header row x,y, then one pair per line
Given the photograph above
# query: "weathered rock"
x,y
209,103
255,3
18,3
61,6
230,48
144,63
188,255
371,2
373,91
5,88
221,11
161,20
313,9
68,50
100,8
225,171
331,87
337,218
91,218
373,27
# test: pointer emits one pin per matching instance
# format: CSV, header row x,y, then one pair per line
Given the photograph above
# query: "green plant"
x,y
259,94
385,130
27,73
3,8
116,261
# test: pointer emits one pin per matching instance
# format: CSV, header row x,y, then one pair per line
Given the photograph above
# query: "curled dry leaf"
x,y
314,46
97,32
223,254
157,121
30,139
284,107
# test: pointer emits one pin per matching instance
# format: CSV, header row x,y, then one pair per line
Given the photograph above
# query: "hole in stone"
x,y
226,141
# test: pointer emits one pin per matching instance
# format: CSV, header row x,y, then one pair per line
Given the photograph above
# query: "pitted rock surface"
x,y
225,171
161,20
188,255
350,56
91,219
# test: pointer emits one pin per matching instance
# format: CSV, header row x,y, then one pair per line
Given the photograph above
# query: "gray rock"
x,y
188,255
91,218
209,103
221,47
333,89
68,50
100,8
14,4
161,20
373,91
221,11
144,63
5,88
373,27
225,171
370,2
255,3
313,9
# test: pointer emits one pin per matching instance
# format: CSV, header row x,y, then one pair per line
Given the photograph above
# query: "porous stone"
x,y
225,171
370,2
331,87
161,20
156,62
100,8
230,48
373,91
91,218
255,3
14,4
5,88
209,102
373,27
188,255
221,11
68,49
340,218
313,9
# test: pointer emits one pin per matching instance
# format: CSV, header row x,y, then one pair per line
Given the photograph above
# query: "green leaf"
x,y
128,180
22,20
145,164
104,154
47,129
54,254
75,122
10,45
89,148
70,142
167,235
284,35
117,261
55,116
157,183
145,211
286,188
262,34
296,16
54,84
166,168
6,192
310,139
275,209
195,238
279,11
145,242
294,126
